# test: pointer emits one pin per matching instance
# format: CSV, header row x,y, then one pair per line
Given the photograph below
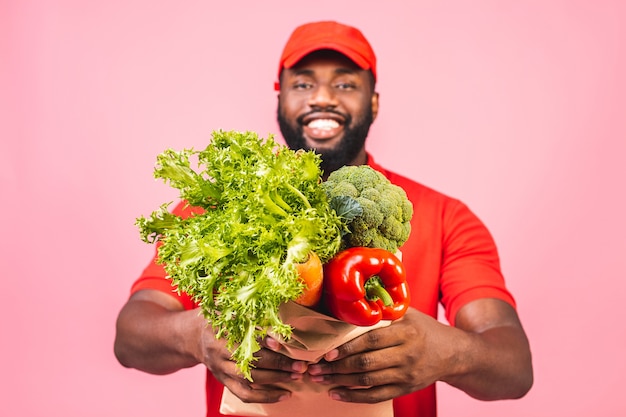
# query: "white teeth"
x,y
323,124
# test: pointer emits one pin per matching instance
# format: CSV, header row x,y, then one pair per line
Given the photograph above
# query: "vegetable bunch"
x,y
264,212
365,282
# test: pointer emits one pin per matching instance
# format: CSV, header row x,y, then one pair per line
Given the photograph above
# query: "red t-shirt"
x,y
450,257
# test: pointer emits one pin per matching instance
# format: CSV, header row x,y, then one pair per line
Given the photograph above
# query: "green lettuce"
x,y
264,210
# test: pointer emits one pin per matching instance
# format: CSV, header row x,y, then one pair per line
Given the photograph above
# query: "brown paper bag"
x,y
313,336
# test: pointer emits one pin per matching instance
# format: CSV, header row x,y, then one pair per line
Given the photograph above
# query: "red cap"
x,y
315,36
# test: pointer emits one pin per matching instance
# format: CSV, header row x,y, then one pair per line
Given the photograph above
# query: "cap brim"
x,y
355,57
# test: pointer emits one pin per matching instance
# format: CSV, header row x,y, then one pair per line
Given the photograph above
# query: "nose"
x,y
323,96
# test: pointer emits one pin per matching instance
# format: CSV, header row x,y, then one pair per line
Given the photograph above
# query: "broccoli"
x,y
376,213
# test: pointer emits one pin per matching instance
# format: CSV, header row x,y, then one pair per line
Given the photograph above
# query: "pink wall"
x,y
517,108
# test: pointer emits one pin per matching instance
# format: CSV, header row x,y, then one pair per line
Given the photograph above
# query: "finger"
x,y
262,388
268,359
365,395
362,379
264,377
373,340
248,392
358,363
272,344
283,361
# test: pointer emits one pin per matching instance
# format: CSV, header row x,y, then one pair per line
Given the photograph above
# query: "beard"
x,y
341,154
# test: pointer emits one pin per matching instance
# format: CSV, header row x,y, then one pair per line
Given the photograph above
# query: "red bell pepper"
x,y
365,285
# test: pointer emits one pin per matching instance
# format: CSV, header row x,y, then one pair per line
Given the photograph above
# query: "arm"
x,y
156,335
493,357
486,355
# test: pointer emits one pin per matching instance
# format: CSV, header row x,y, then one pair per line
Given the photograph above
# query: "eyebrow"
x,y
309,72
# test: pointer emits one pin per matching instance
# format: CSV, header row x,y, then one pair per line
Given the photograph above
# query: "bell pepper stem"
x,y
375,290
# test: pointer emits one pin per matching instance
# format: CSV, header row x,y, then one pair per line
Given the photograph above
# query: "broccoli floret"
x,y
394,230
371,194
382,242
361,234
372,215
362,179
386,210
344,188
407,210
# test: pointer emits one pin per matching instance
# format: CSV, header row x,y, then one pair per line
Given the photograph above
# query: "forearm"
x,y
491,357
155,339
492,365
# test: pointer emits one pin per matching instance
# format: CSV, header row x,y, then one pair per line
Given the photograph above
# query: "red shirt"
x,y
450,257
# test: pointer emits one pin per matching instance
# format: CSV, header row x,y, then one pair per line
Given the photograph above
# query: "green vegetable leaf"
x,y
346,207
263,210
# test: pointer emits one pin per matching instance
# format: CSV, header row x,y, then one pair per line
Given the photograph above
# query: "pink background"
x,y
517,108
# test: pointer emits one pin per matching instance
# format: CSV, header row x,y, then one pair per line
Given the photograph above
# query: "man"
x,y
327,102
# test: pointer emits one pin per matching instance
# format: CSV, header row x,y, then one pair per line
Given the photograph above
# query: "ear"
x,y
375,97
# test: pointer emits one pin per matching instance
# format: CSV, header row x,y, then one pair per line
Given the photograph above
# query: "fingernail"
x,y
272,343
315,369
331,355
334,395
299,366
317,378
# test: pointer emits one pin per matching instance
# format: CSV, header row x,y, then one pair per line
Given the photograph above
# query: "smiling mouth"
x,y
322,128
323,124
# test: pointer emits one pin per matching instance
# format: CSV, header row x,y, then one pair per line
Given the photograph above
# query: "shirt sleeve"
x,y
154,276
470,264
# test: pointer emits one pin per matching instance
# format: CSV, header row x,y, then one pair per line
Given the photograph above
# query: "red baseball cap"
x,y
315,36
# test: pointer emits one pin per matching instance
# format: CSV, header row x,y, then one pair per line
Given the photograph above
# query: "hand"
x,y
157,335
487,356
383,363
271,368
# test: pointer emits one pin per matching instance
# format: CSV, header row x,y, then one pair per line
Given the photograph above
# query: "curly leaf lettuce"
x,y
264,210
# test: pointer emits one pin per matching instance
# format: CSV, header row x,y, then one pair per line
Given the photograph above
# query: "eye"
x,y
346,86
302,85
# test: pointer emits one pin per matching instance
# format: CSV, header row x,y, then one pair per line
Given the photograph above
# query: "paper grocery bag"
x,y
314,334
